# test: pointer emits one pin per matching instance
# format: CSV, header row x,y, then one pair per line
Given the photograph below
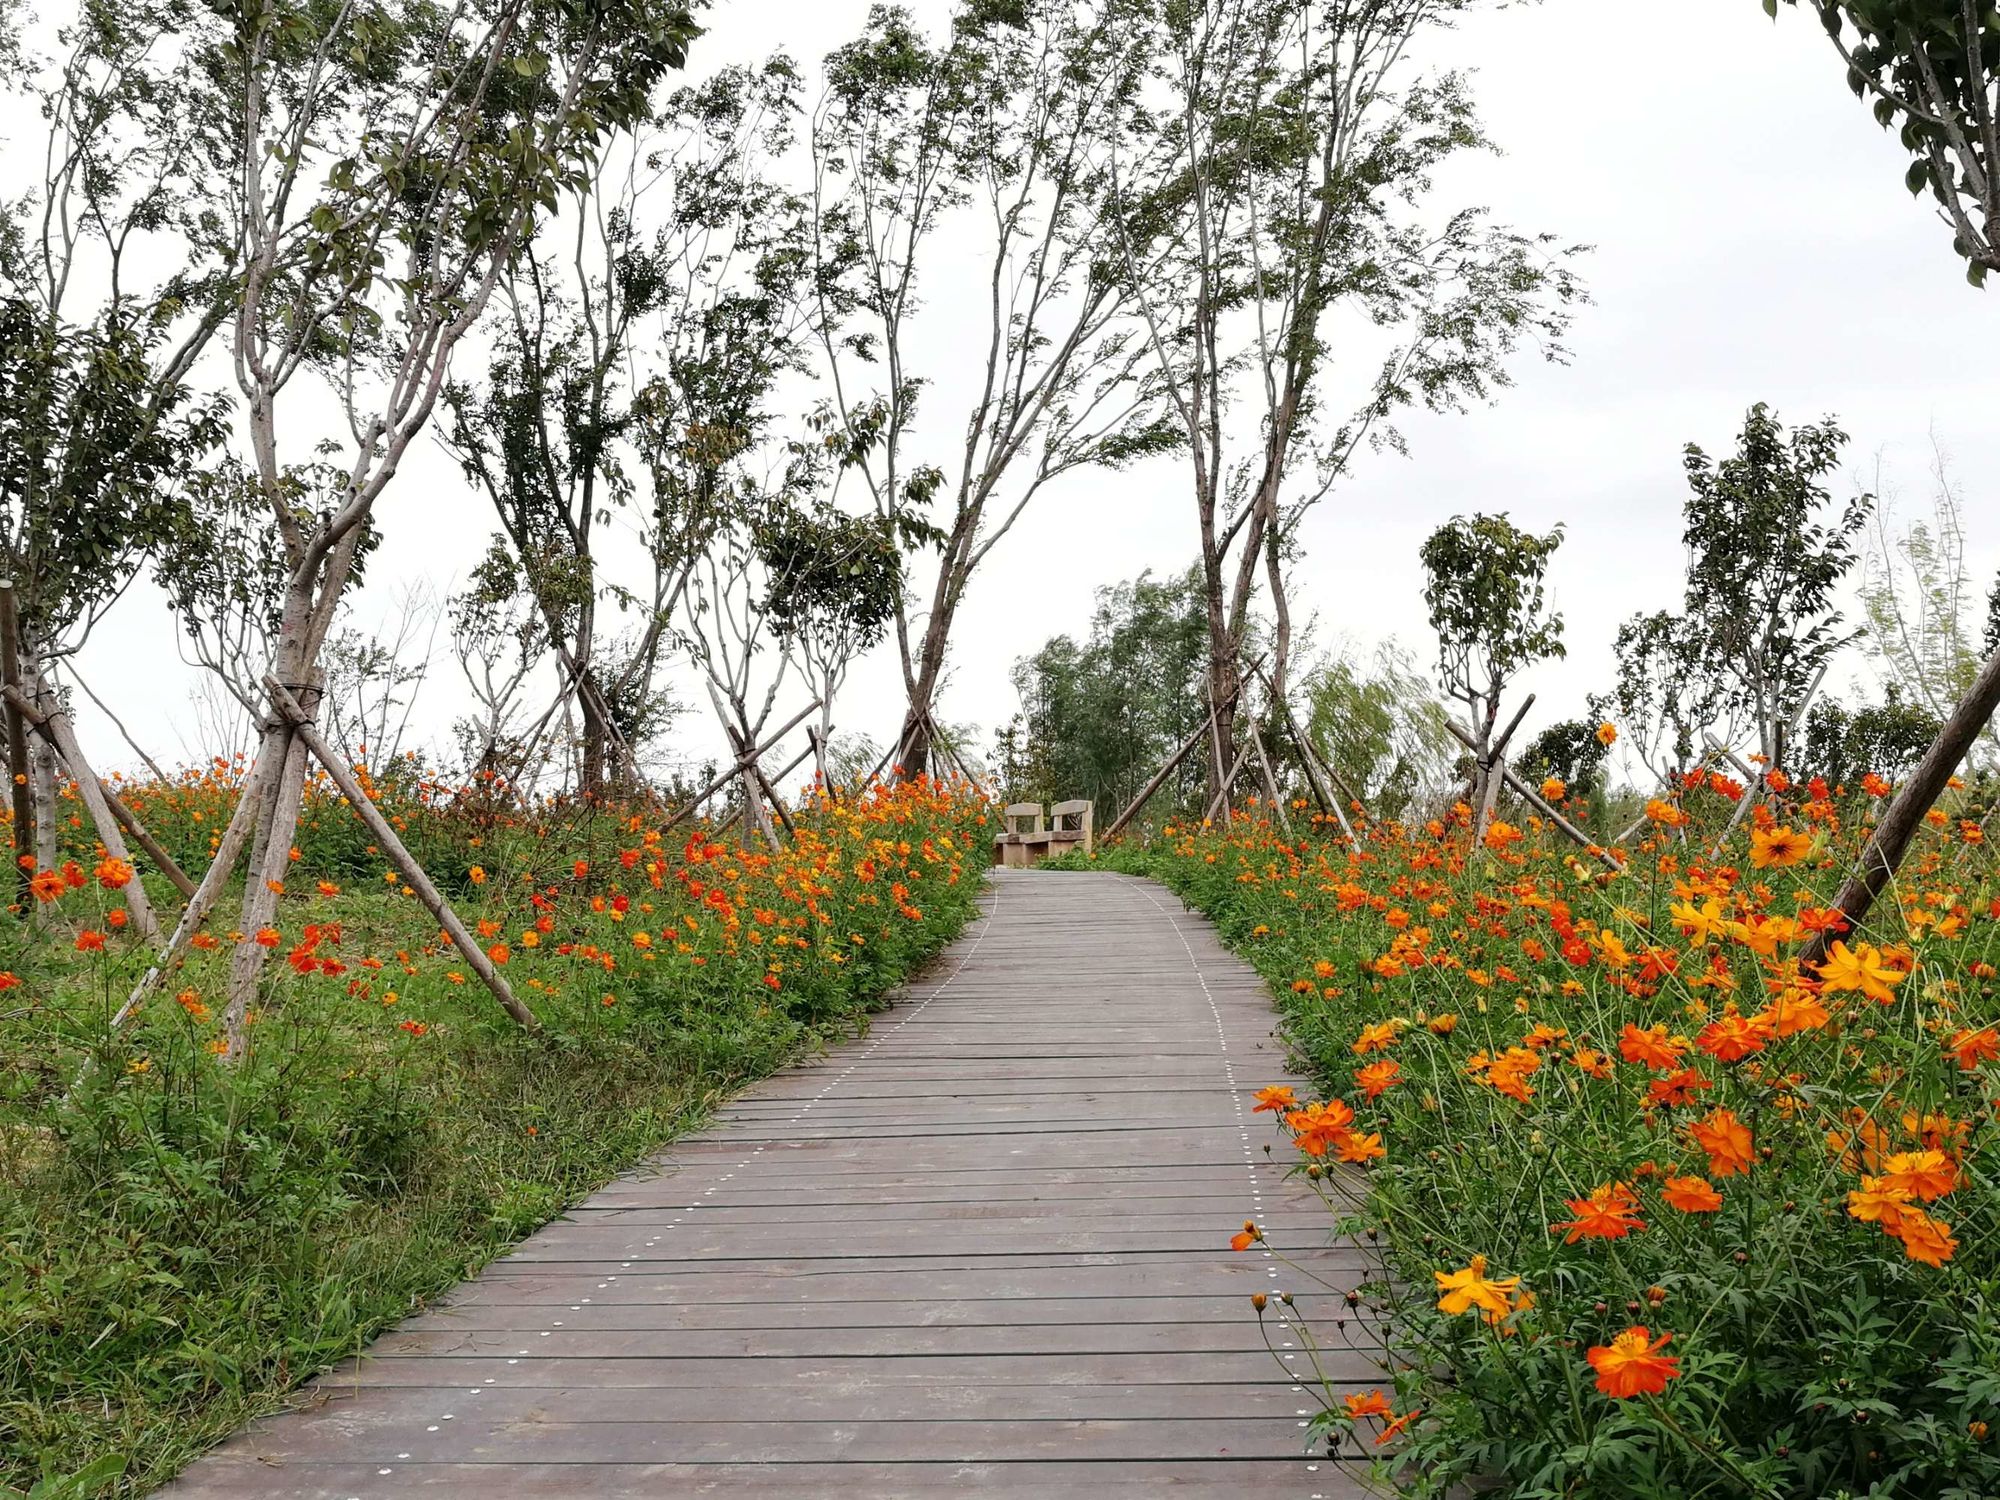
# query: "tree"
x,y
1284,183
1378,725
1764,566
1931,68
100,426
1923,612
385,171
618,339
1887,738
1484,584
997,131
1099,716
1667,693
1571,751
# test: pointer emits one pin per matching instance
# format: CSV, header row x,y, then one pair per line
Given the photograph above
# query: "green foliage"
x,y
1667,691
1570,751
1888,738
1378,723
1100,716
1930,70
1484,585
1765,564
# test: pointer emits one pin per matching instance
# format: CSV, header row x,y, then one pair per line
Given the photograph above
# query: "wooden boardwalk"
x,y
984,1248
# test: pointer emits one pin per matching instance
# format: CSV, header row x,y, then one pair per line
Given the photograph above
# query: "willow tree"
x,y
970,170
1280,184
385,169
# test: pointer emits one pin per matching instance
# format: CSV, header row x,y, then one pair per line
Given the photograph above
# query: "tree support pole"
x,y
1541,804
20,706
18,769
1187,748
53,725
1886,846
1269,777
385,835
680,813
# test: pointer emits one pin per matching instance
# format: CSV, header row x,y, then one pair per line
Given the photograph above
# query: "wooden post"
x,y
18,769
1883,853
54,727
1221,800
385,835
19,706
1159,777
1329,801
1270,778
1535,800
734,771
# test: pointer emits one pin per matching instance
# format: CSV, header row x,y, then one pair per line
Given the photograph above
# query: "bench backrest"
x,y
1073,816
1022,812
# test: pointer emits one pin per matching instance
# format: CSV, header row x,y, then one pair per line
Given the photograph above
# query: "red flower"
x,y
1632,1365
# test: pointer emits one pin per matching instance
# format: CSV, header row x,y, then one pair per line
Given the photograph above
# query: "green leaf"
x,y
1917,178
1771,9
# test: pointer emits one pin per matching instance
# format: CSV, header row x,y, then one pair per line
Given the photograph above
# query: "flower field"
x,y
182,1238
1661,1211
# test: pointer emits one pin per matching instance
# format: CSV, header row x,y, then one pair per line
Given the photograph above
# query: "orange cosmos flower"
x,y
1370,1404
1777,847
1318,1126
1247,1236
47,885
1651,1048
1924,1239
113,874
1632,1365
1874,785
1278,1098
1353,1146
1971,1048
1925,1175
1607,734
1396,1426
269,937
1732,1037
1609,1213
1553,789
1791,1012
477,875
89,941
1691,1195
1378,1078
1726,1139
1379,1037
1472,1287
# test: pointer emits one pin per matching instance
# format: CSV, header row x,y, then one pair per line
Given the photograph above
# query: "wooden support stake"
x,y
1541,804
21,706
687,807
18,769
1329,801
54,727
1159,777
1500,745
1886,846
1270,778
1221,800
400,857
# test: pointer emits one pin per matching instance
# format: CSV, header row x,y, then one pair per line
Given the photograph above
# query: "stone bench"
x,y
1027,839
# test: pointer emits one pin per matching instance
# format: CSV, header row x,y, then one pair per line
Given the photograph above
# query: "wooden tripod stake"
x,y
400,857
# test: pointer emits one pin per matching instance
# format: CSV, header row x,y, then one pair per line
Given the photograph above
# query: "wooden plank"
x,y
984,1244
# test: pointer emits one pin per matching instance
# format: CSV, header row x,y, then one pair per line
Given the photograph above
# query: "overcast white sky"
x,y
1753,242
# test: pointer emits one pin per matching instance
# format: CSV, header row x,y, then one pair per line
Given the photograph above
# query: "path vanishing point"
x,y
982,1249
